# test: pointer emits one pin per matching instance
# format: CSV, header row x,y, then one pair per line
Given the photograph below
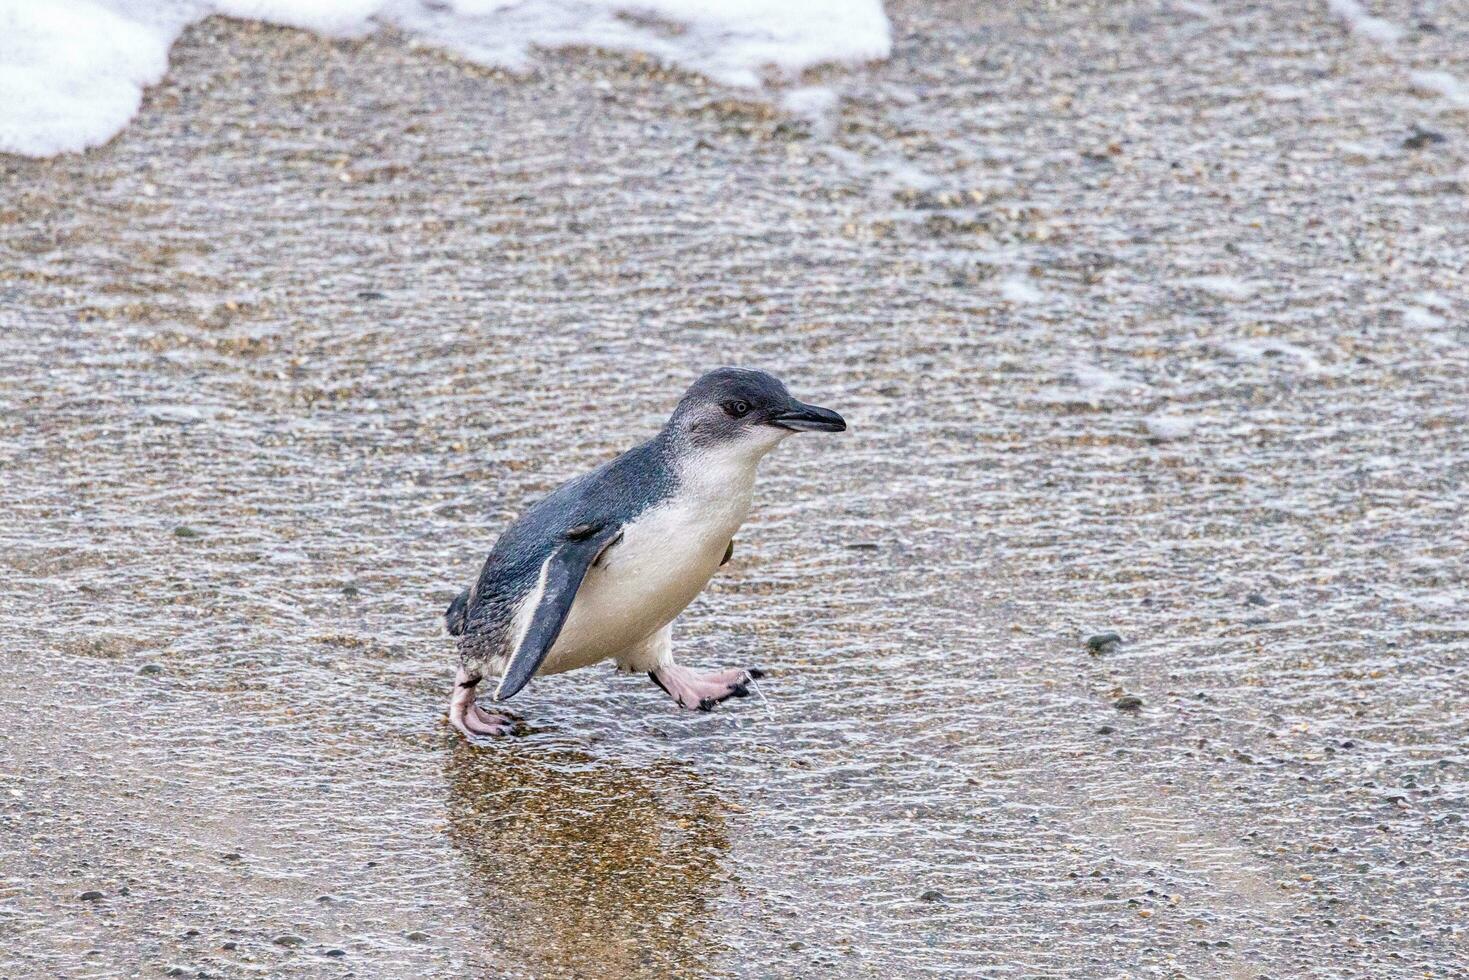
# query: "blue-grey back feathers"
x,y
613,494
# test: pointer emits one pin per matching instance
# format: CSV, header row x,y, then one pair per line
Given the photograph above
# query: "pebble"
x,y
184,531
150,669
336,952
1106,730
419,937
289,940
933,895
1098,643
91,896
1128,702
1422,138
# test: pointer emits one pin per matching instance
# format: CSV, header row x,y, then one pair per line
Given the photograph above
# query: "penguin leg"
x,y
688,688
470,719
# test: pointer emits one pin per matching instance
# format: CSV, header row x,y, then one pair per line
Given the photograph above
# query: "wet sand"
x,y
1146,319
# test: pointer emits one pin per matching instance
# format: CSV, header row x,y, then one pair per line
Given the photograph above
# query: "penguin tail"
x,y
456,617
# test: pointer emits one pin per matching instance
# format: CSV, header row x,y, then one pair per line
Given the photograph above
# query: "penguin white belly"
x,y
665,558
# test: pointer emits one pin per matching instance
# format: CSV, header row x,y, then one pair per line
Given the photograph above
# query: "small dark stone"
x,y
190,933
91,896
232,856
150,669
862,545
351,589
419,937
1106,730
1422,138
1128,702
289,941
336,952
231,945
933,895
184,531
1098,643
371,294
175,971
1256,599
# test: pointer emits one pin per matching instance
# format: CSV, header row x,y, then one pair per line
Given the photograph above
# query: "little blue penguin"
x,y
599,568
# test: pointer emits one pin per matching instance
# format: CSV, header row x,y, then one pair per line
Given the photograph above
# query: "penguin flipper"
x,y
456,617
561,576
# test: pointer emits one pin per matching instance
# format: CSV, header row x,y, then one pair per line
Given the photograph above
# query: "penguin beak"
x,y
801,417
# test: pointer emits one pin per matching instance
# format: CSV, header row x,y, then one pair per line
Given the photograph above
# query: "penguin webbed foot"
x,y
472,721
480,722
701,692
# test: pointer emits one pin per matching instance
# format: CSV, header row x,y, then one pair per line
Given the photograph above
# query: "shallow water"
x,y
1145,319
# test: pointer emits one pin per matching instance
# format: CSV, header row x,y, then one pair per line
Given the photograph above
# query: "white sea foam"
x,y
1202,10
1441,83
1262,349
1016,290
1164,427
1224,287
1095,379
817,104
72,72
1360,22
1421,318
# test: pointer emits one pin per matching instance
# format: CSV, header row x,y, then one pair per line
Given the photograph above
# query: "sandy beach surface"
x,y
1147,318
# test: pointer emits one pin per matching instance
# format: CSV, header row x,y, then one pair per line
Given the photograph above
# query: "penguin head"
x,y
745,410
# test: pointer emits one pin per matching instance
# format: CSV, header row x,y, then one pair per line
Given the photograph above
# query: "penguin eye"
x,y
738,408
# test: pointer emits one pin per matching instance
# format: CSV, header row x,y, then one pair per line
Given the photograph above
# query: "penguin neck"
x,y
721,470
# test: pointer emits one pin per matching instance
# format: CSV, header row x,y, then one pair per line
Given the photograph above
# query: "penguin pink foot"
x,y
692,689
469,718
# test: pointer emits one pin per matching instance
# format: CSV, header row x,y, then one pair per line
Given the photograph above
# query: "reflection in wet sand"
x,y
588,868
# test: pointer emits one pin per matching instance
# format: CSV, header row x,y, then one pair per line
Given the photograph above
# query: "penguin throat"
x,y
726,467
